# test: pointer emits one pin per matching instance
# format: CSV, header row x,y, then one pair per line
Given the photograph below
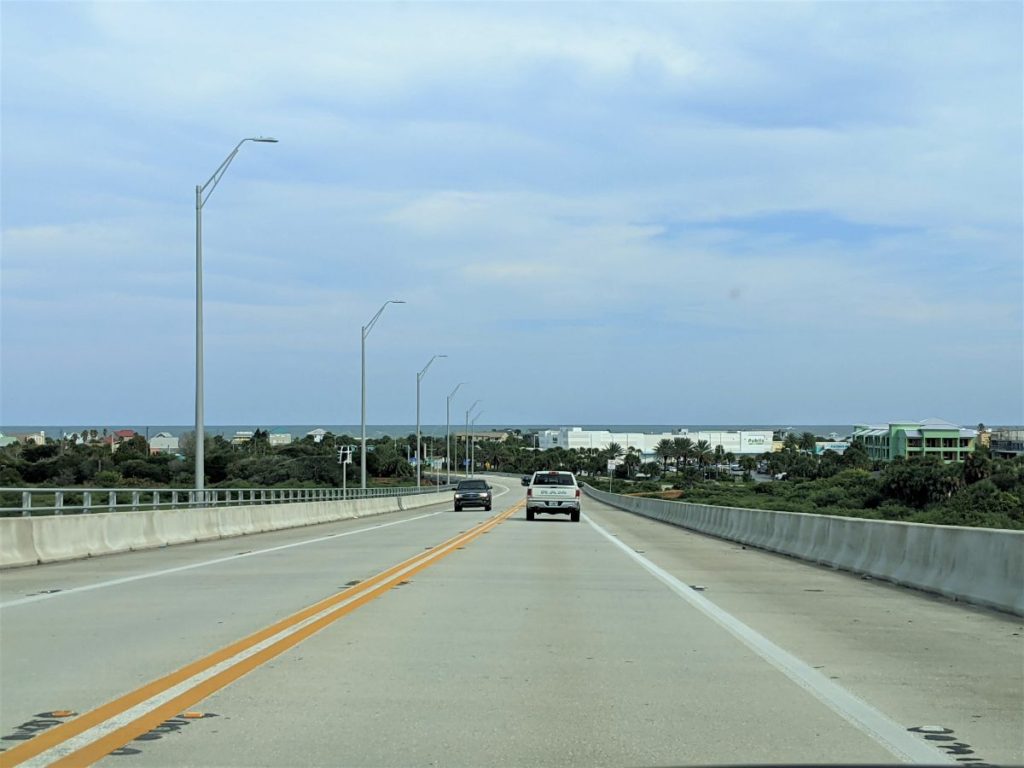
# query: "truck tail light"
x,y
529,491
577,493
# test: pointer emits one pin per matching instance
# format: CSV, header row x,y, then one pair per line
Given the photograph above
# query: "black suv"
x,y
473,493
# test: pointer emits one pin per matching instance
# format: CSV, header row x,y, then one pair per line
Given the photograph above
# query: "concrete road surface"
x,y
465,639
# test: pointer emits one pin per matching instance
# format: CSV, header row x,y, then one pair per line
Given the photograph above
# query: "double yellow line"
x,y
95,734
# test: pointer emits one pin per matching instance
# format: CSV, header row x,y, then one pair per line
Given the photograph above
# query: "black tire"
x,y
487,508
458,508
529,514
575,516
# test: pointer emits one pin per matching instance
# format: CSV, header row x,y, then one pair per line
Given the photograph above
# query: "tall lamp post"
x,y
203,192
468,411
419,447
362,367
472,454
448,433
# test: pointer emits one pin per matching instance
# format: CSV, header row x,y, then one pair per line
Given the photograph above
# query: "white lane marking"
x,y
203,564
117,721
879,726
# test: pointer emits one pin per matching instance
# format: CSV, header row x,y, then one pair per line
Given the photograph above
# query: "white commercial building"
x,y
163,442
739,443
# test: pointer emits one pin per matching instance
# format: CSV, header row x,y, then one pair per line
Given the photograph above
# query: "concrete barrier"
x,y
982,566
33,540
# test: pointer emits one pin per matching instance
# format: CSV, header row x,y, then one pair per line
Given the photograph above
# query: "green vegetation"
x,y
981,491
253,464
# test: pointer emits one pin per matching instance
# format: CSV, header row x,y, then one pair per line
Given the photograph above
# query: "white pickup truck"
x,y
553,493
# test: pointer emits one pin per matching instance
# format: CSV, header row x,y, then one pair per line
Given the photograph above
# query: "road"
x,y
615,641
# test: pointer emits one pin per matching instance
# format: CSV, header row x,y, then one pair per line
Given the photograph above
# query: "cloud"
x,y
671,186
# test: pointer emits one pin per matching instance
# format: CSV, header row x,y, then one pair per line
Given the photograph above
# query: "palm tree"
x,y
719,454
665,450
614,451
702,452
808,441
632,460
684,450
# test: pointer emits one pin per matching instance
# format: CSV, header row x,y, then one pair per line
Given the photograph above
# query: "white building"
x,y
280,438
163,442
739,443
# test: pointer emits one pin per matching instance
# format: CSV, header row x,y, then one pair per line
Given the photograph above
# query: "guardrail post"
x,y
135,501
58,503
156,500
87,502
26,503
111,500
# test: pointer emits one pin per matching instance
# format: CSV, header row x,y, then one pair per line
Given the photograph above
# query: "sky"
x,y
668,213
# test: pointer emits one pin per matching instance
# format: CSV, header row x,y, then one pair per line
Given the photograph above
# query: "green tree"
x,y
702,453
684,450
977,464
856,456
631,461
664,450
808,442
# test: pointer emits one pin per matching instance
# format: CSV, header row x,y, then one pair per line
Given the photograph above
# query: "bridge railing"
x,y
62,501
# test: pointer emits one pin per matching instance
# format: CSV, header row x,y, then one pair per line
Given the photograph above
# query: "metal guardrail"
x,y
60,501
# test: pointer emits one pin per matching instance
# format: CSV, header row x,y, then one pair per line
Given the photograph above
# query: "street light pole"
x,y
472,458
419,447
202,195
468,411
448,432
362,376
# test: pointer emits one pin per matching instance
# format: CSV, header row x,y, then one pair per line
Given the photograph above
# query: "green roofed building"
x,y
909,439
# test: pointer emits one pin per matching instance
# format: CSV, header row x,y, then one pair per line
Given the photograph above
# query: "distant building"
x,y
317,434
931,437
241,438
1007,443
280,438
6,440
163,442
491,435
838,446
36,438
738,443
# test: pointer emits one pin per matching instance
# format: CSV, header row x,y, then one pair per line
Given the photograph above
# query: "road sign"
x,y
612,464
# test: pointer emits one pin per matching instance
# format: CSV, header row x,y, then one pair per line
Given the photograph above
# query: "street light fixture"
x,y
362,366
419,447
468,411
448,432
472,457
203,192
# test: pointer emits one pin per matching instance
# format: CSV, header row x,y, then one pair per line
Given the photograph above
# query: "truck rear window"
x,y
553,480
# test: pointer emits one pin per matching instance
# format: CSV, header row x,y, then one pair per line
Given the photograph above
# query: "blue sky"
x,y
696,212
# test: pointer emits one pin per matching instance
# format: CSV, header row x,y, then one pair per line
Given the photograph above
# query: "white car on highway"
x,y
553,493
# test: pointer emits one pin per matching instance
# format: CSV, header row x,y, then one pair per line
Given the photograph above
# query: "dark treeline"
x,y
981,491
